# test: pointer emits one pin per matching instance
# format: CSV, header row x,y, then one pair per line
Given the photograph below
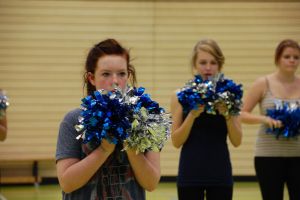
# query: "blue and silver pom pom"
x,y
150,127
289,114
104,115
230,94
197,92
129,116
4,103
211,92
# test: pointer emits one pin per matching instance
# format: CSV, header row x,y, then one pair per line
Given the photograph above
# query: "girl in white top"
x,y
277,160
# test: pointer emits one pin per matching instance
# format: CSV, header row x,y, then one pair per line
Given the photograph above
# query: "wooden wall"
x,y
43,45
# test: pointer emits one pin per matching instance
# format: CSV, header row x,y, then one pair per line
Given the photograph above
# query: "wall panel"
x,y
43,45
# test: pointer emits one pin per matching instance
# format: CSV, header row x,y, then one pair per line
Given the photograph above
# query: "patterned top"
x,y
115,178
267,144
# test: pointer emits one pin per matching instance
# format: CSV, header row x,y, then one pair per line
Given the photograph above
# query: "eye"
x,y
105,74
296,57
202,62
123,74
213,63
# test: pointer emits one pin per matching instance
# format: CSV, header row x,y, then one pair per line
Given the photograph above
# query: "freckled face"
x,y
111,71
206,65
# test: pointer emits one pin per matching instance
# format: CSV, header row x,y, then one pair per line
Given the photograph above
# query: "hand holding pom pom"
x,y
222,108
197,111
284,119
107,147
229,94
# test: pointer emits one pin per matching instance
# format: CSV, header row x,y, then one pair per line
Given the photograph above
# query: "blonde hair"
x,y
210,46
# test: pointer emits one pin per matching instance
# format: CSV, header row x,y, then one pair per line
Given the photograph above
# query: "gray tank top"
x,y
267,144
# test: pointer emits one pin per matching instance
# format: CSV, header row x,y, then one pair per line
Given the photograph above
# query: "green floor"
x,y
165,191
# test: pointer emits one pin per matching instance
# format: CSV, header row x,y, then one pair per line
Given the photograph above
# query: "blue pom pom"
x,y
289,115
102,117
211,92
230,94
110,115
196,92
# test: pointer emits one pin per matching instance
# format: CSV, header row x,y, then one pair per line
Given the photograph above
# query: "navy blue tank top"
x,y
204,158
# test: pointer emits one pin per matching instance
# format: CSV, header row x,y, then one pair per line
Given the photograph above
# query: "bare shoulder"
x,y
176,91
174,95
261,81
257,90
174,101
260,85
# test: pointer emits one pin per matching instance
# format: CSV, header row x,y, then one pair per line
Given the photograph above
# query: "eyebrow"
x,y
109,70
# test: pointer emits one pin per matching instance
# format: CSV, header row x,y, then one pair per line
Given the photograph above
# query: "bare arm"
x,y
233,125
254,96
3,128
234,130
146,168
181,129
74,173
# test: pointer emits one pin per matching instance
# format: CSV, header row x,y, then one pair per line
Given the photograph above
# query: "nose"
x,y
115,81
293,59
208,66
